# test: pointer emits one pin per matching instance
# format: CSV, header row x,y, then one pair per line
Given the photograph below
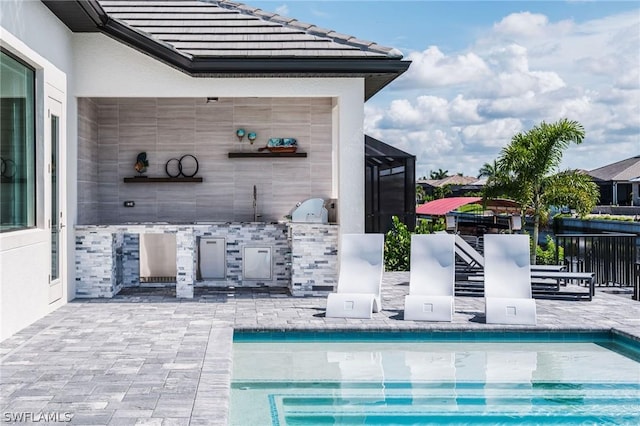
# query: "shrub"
x,y
397,246
547,256
611,217
429,226
397,242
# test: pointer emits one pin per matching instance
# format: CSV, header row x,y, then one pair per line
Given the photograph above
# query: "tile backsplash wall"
x,y
87,161
170,128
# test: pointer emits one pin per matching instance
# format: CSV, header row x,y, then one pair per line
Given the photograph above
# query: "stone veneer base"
x,y
304,256
314,259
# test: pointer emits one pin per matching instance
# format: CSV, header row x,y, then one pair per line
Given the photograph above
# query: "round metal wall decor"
x,y
172,168
186,166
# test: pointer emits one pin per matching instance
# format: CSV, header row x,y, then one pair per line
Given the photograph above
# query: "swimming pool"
x,y
421,378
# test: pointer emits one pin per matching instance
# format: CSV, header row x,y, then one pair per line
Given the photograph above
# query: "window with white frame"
x,y
17,144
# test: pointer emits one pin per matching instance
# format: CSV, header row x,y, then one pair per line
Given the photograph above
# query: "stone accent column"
x,y
96,252
314,259
131,259
185,262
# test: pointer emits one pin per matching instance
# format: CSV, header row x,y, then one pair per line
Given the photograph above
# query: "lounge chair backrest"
x,y
432,265
466,252
361,263
507,270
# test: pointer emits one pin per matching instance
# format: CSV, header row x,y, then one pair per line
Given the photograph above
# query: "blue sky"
x,y
483,71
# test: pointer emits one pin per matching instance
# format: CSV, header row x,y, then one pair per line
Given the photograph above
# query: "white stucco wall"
x,y
25,255
107,68
72,65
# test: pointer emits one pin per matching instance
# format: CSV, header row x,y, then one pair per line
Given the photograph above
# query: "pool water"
x,y
341,380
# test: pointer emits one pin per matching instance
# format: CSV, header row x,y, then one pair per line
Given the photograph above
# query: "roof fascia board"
x,y
299,65
94,11
78,15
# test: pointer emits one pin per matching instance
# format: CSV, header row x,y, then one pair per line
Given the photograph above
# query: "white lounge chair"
x,y
471,256
432,278
475,260
507,280
360,279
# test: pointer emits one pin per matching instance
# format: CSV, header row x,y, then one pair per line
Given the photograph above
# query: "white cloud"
x,y
587,53
282,10
510,59
628,79
463,110
525,69
426,110
432,68
319,13
494,134
403,114
527,24
574,108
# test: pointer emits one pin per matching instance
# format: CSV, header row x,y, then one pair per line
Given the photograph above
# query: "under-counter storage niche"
x,y
158,258
212,258
256,263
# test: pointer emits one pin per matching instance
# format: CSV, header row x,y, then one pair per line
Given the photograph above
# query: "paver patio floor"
x,y
148,359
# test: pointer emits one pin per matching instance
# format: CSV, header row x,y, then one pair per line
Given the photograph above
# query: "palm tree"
x,y
440,174
527,171
420,194
442,191
488,170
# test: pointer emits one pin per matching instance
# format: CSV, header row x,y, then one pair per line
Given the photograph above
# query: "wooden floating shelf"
x,y
162,180
266,154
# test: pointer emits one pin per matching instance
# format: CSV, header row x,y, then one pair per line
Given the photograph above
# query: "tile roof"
x,y
443,206
209,38
452,180
229,29
624,170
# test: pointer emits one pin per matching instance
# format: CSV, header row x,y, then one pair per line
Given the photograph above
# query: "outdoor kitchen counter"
x,y
304,255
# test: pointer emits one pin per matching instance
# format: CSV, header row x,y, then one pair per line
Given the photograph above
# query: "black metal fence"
x,y
636,285
612,257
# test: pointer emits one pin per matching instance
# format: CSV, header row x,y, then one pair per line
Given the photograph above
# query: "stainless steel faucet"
x,y
255,204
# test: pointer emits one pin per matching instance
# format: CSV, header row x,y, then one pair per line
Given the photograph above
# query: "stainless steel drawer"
x,y
257,263
212,258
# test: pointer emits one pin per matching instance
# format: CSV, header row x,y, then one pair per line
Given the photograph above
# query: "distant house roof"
x,y
209,38
452,180
443,206
624,170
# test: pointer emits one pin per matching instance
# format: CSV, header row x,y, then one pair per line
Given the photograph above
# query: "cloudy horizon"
x,y
482,72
